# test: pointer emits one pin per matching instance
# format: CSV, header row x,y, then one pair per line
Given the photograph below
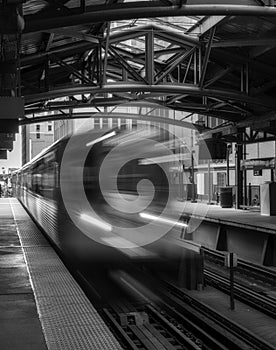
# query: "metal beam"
x,y
129,10
63,50
220,74
124,64
49,41
149,52
170,89
106,52
206,57
177,38
74,34
114,102
180,58
204,24
130,33
245,42
70,69
141,30
187,70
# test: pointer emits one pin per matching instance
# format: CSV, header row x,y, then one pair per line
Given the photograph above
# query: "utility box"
x,y
226,197
268,200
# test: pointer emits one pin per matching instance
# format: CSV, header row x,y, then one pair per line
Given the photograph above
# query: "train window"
x,y
37,178
49,175
29,181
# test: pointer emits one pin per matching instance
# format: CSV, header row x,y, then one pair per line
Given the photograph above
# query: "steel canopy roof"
x,y
215,58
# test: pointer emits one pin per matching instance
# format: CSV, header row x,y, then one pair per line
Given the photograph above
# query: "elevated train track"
x,y
164,317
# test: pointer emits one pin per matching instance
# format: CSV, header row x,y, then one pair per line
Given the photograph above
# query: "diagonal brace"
x,y
206,57
125,64
174,64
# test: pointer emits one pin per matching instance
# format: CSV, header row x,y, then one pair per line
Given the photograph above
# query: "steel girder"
x,y
198,75
121,64
166,89
138,9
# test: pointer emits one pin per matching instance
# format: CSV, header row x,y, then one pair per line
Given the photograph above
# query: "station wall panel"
x,y
207,234
248,245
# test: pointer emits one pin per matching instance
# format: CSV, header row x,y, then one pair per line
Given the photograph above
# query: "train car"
x,y
95,198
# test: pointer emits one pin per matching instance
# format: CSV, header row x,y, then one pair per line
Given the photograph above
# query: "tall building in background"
x,y
35,138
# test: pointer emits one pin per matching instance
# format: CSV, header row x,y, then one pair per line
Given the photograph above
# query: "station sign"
x,y
257,164
227,260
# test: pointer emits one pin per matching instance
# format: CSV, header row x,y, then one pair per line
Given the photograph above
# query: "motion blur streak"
x,y
104,137
160,219
133,285
96,222
117,242
123,245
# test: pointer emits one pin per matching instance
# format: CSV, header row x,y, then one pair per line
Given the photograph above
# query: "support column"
x,y
150,57
274,161
209,183
238,174
244,177
227,165
193,199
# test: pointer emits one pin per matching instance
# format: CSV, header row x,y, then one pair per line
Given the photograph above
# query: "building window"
x,y
114,123
38,127
105,123
38,135
49,127
97,124
221,179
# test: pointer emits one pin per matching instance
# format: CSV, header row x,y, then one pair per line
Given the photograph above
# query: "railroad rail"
x,y
163,327
170,321
254,299
193,306
250,269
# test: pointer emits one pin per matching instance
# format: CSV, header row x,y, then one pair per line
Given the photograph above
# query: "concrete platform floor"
x,y
41,305
20,326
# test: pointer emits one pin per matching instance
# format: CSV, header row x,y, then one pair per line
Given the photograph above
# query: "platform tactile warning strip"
x,y
68,319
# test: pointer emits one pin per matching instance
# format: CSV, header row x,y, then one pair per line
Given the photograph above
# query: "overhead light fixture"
x,y
102,138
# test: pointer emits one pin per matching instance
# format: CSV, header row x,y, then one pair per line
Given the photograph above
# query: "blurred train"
x,y
98,195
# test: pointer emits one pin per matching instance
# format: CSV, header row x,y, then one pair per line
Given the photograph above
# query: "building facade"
x,y
35,138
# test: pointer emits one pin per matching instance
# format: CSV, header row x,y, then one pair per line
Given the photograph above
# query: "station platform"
x,y
230,216
41,305
248,233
